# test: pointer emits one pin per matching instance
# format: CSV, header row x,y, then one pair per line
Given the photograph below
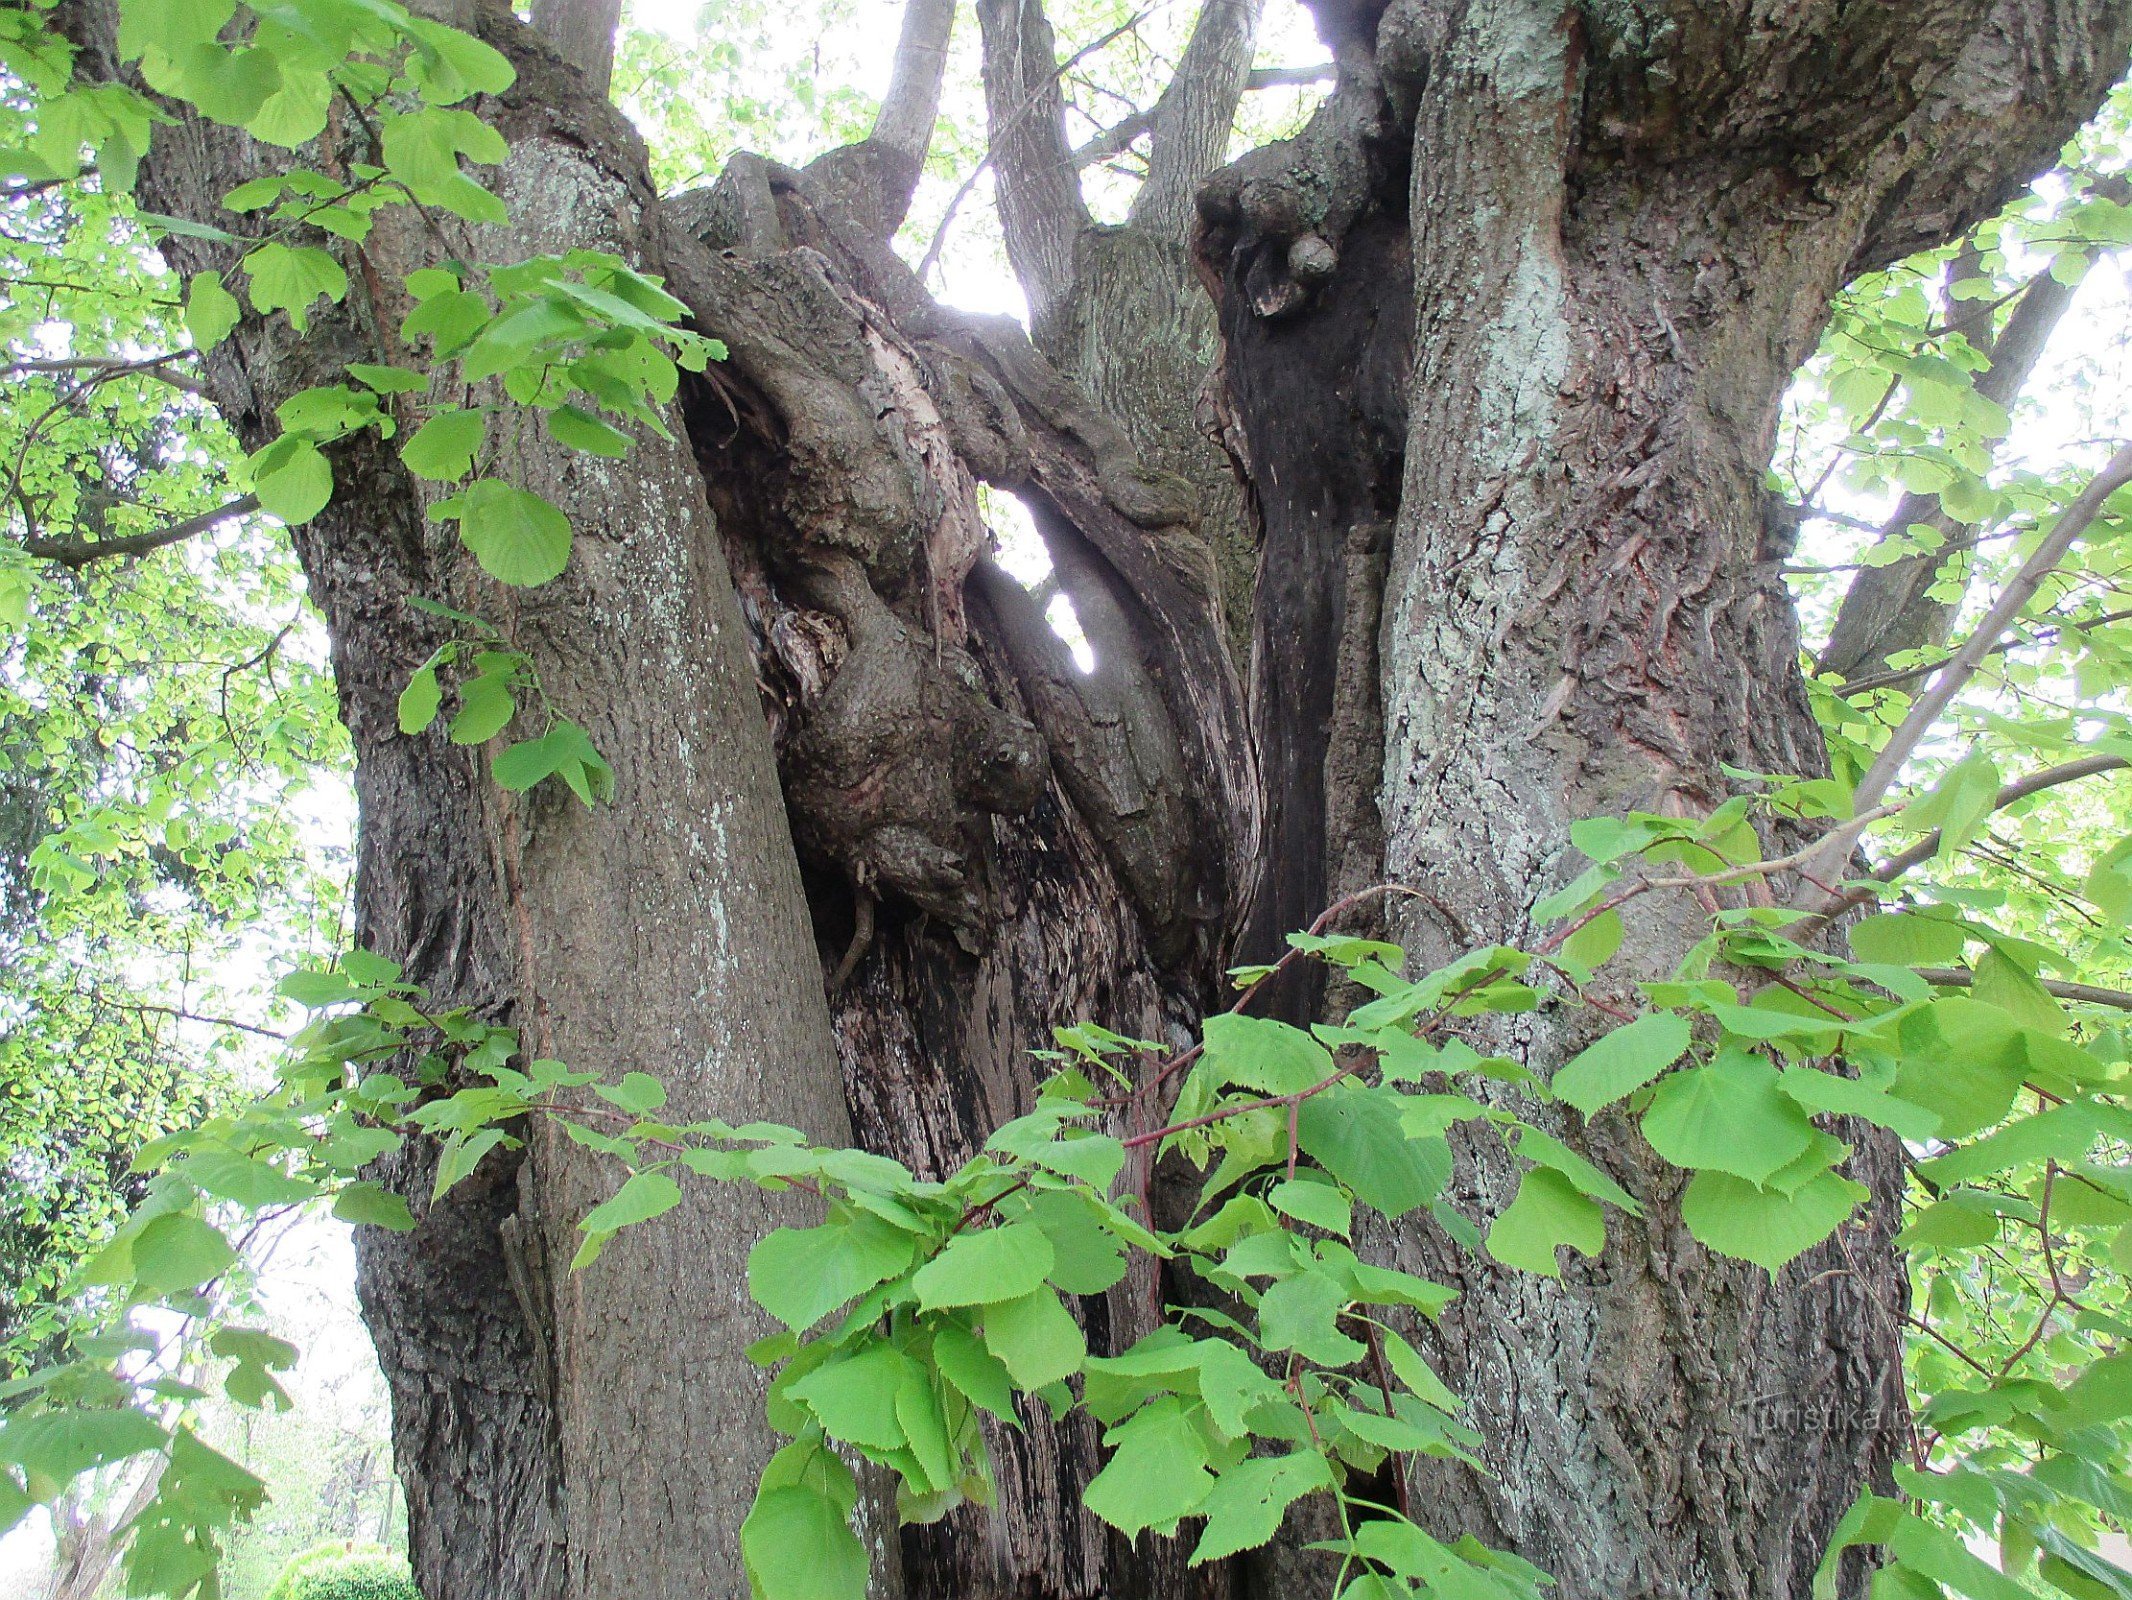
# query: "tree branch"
x,y
1962,665
156,367
2090,994
2020,789
904,124
1192,119
582,32
1041,209
1887,680
1119,137
78,553
1887,609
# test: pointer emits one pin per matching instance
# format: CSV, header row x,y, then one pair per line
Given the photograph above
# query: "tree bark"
x,y
1501,338
1626,223
554,1429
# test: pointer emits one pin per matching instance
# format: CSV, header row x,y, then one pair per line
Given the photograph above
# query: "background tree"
x,y
1502,340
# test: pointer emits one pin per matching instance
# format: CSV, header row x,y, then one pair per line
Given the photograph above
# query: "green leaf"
x,y
581,430
444,447
1735,1218
1961,1221
1623,1061
61,1445
638,1092
797,1546
177,1251
211,311
169,24
1157,1473
1906,940
855,1399
980,1376
1302,1314
1548,1212
246,1180
519,538
1247,1506
984,1265
1729,1116
1261,1054
420,700
293,280
1087,1257
800,1275
293,481
1815,1090
1319,1204
1035,1338
1355,1134
643,1196
486,707
373,1205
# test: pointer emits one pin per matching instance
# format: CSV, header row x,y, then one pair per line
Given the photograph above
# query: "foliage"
x,y
1962,1018
345,1572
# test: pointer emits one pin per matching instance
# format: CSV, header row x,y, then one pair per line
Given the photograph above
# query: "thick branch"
x,y
1888,680
582,32
156,367
1191,121
2020,789
904,124
1040,206
78,553
1887,609
1119,136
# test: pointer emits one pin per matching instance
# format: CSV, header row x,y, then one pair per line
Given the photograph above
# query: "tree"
x,y
1493,351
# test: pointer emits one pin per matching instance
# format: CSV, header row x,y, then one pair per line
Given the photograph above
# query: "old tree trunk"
x,y
1491,353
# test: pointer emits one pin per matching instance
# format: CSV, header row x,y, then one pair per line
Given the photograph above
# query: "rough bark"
x,y
1119,308
995,843
551,1428
1625,222
1502,337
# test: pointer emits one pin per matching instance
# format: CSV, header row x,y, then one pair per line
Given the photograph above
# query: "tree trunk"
x,y
1501,341
1626,224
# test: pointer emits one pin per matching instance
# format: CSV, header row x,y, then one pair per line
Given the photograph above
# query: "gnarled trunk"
x,y
1500,343
1625,224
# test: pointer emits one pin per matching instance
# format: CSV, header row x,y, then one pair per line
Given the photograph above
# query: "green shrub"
x,y
345,1571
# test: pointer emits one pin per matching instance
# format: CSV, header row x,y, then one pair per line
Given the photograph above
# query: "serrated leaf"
x,y
178,1251
211,311
1729,1116
800,1275
1157,1472
985,1264
420,701
1622,1061
444,447
519,538
1035,1338
1735,1218
980,1376
643,1196
798,1546
1357,1136
292,480
1548,1212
